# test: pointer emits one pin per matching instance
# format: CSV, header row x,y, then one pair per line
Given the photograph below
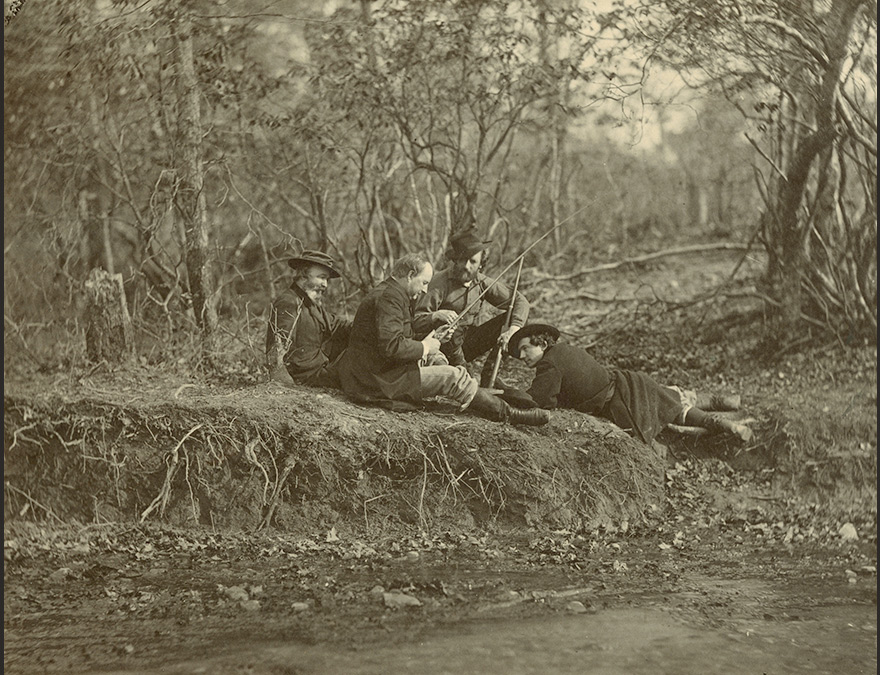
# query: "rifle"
x,y
506,326
513,262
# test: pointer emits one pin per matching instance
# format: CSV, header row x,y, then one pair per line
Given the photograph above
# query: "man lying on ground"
x,y
569,377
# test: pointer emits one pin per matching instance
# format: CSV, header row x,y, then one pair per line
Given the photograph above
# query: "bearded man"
x,y
453,289
385,365
303,339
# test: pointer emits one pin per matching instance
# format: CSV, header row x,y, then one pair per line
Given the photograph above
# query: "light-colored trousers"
x,y
449,381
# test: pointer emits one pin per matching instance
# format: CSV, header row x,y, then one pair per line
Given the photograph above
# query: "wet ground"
x,y
728,600
643,641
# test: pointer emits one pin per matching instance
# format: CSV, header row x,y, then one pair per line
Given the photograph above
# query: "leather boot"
x,y
719,403
493,408
511,395
741,431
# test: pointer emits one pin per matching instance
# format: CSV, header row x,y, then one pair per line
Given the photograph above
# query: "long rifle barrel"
x,y
507,321
494,281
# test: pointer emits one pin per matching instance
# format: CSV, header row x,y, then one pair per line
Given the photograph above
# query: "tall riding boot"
x,y
719,403
714,422
739,430
491,407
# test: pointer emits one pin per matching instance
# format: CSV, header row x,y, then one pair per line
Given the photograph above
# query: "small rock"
x,y
251,605
60,574
396,600
848,532
235,593
576,607
299,606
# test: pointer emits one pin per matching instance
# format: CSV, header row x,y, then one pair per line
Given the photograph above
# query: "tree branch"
x,y
726,246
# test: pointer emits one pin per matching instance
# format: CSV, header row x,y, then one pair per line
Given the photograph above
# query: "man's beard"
x,y
466,277
316,295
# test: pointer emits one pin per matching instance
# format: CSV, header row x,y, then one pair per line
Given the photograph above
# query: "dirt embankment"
x,y
121,449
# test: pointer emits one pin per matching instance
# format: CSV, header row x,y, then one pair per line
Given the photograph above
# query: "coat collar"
x,y
301,294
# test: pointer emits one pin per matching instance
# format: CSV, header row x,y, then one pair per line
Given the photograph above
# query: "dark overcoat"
x,y
569,377
307,335
381,363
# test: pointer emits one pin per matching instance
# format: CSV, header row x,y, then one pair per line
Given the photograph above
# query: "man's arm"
x,y
500,295
546,385
392,317
428,314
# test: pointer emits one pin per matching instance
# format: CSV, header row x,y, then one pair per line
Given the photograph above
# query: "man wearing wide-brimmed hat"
x,y
303,339
569,377
453,289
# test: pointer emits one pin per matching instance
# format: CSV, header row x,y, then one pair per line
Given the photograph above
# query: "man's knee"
x,y
450,381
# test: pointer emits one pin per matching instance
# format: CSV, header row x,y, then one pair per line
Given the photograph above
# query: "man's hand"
x,y
432,343
444,316
504,338
444,333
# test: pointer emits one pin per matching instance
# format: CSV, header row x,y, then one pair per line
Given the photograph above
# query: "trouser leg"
x,y
719,402
452,382
452,349
481,339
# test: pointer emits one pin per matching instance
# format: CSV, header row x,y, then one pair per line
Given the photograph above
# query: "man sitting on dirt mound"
x,y
385,365
303,338
569,377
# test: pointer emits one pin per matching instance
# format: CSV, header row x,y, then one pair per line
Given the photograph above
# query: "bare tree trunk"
x,y
789,230
190,196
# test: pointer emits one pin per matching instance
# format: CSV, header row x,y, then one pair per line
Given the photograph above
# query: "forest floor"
x,y
757,558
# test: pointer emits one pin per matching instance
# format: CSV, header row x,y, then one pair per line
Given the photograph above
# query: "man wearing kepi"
x,y
569,377
303,338
383,362
453,289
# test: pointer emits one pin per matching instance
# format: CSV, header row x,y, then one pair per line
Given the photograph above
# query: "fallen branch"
x,y
8,486
643,258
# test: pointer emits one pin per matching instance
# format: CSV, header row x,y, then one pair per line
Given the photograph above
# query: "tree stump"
x,y
108,324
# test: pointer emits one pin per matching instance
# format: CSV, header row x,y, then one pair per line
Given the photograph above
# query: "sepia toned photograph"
x,y
440,337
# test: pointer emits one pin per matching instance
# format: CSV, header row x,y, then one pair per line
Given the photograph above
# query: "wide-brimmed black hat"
x,y
527,331
309,257
468,243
